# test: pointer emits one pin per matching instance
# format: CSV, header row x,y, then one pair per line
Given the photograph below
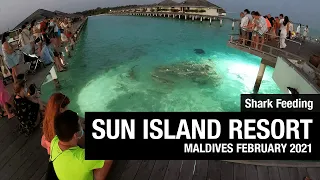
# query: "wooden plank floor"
x,y
23,157
205,170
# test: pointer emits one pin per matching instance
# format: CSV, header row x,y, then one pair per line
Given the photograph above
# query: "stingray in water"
x,y
199,51
131,73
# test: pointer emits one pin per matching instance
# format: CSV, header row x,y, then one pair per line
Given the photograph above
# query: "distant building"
x,y
189,7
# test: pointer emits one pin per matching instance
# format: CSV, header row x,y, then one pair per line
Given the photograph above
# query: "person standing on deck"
x,y
26,40
64,38
44,26
68,158
290,30
241,32
284,32
10,56
35,30
281,19
245,23
305,32
271,19
272,22
260,28
298,32
267,36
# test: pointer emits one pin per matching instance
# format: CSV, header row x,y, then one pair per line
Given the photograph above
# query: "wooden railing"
x,y
177,13
266,49
287,56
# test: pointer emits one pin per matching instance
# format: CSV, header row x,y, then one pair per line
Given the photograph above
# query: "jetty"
x,y
23,157
296,66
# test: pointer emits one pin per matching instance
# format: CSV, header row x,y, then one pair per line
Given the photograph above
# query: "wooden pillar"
x,y
179,16
210,20
201,18
233,24
54,76
185,17
220,22
257,84
192,18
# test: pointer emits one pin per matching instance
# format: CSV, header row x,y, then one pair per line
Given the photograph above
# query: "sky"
x,y
12,12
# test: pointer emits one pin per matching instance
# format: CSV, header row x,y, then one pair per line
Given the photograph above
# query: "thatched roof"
x,y
62,14
37,15
40,14
199,3
167,3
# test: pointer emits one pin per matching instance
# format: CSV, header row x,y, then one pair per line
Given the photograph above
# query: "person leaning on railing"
x,y
245,21
57,104
67,157
10,56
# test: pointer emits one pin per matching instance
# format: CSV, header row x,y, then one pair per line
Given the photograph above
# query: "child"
x,y
4,100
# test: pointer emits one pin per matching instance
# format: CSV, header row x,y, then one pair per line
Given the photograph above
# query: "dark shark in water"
x,y
199,51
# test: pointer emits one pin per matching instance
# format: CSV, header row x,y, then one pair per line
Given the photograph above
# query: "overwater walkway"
x,y
23,158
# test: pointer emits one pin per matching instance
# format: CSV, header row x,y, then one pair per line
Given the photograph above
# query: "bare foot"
x,y
11,116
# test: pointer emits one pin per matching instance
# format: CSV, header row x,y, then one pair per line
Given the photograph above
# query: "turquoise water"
x,y
149,64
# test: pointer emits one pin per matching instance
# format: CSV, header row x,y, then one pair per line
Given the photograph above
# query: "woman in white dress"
x,y
26,39
284,28
298,30
305,32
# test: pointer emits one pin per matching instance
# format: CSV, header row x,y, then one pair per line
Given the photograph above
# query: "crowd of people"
x,y
62,129
46,40
256,29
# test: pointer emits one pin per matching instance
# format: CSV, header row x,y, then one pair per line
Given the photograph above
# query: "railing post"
x,y
259,78
231,38
232,24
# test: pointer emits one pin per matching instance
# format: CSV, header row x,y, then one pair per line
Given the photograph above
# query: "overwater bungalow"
x,y
202,7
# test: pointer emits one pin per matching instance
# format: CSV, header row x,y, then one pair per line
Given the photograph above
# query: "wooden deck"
x,y
270,50
23,157
204,170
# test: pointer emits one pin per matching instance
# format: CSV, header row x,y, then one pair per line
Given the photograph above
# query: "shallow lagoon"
x,y
158,64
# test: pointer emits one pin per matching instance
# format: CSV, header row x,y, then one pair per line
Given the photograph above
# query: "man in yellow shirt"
x,y
68,158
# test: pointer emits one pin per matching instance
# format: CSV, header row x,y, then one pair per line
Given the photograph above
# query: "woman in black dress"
x,y
28,108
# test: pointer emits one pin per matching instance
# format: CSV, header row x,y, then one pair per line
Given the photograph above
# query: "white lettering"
x,y
98,128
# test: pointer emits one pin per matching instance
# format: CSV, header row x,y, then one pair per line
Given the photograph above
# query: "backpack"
x,y
51,174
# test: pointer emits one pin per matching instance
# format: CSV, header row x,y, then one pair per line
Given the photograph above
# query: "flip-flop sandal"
x,y
12,116
2,114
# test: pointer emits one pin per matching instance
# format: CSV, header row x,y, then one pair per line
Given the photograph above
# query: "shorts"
x,y
243,32
260,34
69,35
57,54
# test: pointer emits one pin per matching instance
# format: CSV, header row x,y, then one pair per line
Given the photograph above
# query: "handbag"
x,y
51,174
5,72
